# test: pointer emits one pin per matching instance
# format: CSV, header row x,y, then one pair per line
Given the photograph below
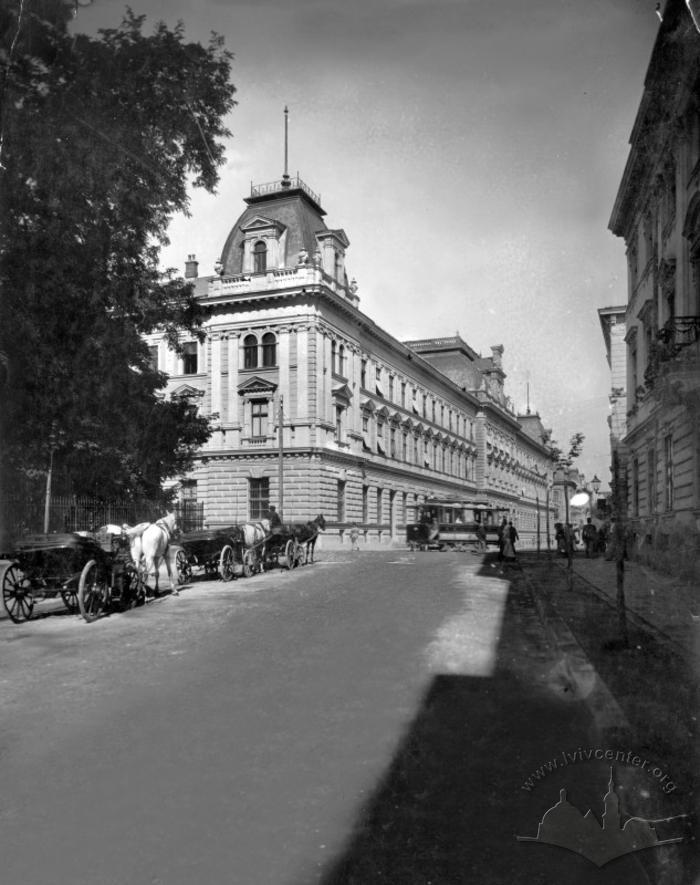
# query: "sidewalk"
x,y
661,602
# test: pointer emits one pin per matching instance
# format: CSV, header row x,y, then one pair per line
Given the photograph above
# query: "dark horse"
x,y
306,534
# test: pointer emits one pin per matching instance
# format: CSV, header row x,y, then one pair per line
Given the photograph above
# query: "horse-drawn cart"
x,y
92,575
217,551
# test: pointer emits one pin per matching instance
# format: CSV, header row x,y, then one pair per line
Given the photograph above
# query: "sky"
x,y
470,149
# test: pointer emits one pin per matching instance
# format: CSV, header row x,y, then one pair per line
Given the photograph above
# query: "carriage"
x,y
452,524
217,551
92,575
284,546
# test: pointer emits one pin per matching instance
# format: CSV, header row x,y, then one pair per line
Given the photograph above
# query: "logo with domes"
x,y
564,825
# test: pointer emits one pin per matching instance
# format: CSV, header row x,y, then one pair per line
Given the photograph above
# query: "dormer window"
x,y
250,352
259,257
339,267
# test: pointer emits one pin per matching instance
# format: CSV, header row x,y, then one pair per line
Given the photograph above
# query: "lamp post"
x,y
595,483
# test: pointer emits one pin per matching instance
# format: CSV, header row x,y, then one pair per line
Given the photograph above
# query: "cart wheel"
x,y
93,591
17,594
226,564
183,567
290,553
137,589
249,563
70,599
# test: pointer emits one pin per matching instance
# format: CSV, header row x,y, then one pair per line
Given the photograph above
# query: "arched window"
x,y
269,349
250,352
259,257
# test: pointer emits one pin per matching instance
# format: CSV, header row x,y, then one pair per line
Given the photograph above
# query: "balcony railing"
x,y
281,185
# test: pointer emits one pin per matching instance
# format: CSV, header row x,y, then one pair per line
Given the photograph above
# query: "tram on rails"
x,y
452,524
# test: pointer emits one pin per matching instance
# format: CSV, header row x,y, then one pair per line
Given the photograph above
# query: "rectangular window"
x,y
259,498
434,408
339,423
365,504
189,358
380,430
403,394
391,387
365,424
651,481
363,374
668,473
392,442
153,358
404,448
258,427
379,506
341,500
404,507
425,405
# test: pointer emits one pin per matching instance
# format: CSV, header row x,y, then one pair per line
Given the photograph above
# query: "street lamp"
x,y
595,482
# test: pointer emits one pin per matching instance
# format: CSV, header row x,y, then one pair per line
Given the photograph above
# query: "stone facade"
x,y
612,321
657,212
322,411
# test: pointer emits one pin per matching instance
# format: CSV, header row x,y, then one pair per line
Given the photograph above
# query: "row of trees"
x,y
99,139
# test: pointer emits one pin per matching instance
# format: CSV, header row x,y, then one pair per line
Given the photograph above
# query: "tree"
x,y
99,139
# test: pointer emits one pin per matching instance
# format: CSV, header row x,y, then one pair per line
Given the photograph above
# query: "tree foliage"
x,y
100,137
575,448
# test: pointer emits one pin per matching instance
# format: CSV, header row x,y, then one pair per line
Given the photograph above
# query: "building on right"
x,y
657,213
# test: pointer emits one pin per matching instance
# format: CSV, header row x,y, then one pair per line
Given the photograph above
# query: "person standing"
x,y
590,536
511,536
354,537
481,538
502,533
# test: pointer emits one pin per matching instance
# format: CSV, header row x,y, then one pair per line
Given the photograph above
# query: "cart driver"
x,y
274,518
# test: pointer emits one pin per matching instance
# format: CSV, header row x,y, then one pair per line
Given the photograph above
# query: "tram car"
x,y
450,524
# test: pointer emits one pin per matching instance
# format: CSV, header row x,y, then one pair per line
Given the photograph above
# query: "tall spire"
x,y
285,178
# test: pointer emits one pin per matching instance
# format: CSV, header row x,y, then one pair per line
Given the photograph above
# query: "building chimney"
x,y
191,267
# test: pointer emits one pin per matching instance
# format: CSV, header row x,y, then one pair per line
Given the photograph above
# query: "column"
x,y
303,369
215,374
233,417
480,440
283,363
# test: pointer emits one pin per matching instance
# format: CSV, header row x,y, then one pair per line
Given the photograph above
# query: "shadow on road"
x,y
452,801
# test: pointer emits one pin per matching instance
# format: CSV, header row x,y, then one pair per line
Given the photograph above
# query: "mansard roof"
x,y
292,208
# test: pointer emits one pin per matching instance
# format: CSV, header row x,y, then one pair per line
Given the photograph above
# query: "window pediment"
x,y
342,391
259,226
186,391
368,406
257,386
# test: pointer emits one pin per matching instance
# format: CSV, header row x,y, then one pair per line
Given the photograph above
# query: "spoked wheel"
x,y
183,567
134,588
290,553
226,561
69,595
93,591
250,563
17,594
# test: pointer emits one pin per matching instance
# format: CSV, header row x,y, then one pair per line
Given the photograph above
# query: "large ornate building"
x,y
322,411
657,213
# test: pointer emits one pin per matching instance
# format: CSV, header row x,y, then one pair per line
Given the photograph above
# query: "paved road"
x,y
363,720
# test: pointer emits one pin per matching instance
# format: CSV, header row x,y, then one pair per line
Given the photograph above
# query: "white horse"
x,y
150,541
254,537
